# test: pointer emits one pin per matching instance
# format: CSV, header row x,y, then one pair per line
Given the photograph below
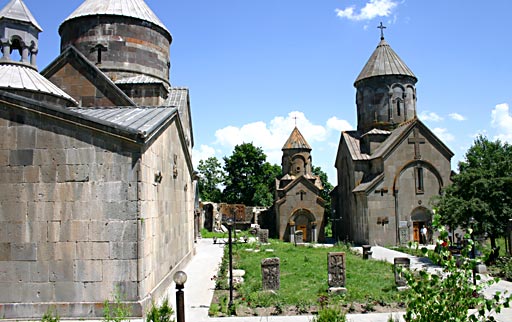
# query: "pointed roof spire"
x,y
17,10
384,61
128,8
296,141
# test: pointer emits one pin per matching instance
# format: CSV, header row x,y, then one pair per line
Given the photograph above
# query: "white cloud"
x,y
443,134
272,136
430,116
339,125
202,153
502,121
372,9
457,117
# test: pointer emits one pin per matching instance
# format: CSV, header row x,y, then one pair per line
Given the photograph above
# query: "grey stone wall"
x,y
167,213
133,47
82,218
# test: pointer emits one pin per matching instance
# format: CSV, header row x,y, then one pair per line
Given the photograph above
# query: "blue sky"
x,y
253,66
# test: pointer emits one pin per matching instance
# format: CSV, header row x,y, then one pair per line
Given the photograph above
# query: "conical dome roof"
x,y
128,8
296,141
384,61
17,10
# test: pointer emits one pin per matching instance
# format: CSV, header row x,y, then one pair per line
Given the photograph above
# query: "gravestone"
x,y
263,236
367,253
404,233
270,273
299,237
336,272
400,264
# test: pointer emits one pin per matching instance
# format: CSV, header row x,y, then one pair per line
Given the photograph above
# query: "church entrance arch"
x,y
421,218
304,219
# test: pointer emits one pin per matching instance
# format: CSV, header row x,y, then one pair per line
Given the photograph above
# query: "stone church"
x,y
298,205
392,165
96,177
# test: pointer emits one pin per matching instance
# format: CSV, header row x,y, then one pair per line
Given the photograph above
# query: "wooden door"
x,y
304,229
416,231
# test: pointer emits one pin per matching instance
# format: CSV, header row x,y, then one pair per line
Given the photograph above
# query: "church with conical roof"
x,y
298,207
392,165
97,187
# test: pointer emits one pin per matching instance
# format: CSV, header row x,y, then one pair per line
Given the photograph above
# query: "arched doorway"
x,y
421,217
305,222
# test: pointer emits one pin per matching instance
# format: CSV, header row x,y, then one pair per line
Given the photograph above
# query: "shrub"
x,y
161,313
116,311
49,316
448,294
330,314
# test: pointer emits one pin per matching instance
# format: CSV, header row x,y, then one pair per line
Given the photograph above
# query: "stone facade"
x,y
92,203
298,205
391,167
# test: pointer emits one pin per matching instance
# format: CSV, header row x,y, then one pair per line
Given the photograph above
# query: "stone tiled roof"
x,y
17,10
139,79
377,132
17,76
352,140
142,120
296,141
128,8
384,61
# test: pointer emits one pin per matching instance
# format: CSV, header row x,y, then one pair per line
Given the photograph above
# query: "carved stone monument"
x,y
367,253
270,273
400,264
263,236
336,272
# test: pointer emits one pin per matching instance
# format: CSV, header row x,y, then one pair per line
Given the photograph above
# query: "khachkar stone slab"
x,y
270,273
263,236
336,272
401,264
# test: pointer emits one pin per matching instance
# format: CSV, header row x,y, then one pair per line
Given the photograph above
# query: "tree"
x,y
248,176
211,176
482,190
325,194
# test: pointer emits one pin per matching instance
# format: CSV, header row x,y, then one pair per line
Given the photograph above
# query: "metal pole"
x,y
180,304
230,304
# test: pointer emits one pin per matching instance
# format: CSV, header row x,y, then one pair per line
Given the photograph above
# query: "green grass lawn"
x,y
304,276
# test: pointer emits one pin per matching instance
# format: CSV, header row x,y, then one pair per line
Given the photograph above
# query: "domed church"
x,y
392,165
96,177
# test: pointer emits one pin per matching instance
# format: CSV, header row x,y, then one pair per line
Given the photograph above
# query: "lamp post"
x,y
230,222
180,278
472,222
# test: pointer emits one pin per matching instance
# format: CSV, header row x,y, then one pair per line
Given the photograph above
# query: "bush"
x,y
330,314
162,313
50,316
448,294
116,311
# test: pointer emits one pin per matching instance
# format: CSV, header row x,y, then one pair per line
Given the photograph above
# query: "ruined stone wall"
x,y
68,217
167,213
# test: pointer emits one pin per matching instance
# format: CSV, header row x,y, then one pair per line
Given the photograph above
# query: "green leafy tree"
x,y
211,177
249,176
317,171
482,190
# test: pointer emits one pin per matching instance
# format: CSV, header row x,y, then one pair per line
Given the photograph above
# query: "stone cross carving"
x,y
381,27
270,273
263,236
416,140
401,263
336,269
302,193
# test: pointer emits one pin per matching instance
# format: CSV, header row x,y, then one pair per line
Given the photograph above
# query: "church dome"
x,y
123,38
127,8
383,62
